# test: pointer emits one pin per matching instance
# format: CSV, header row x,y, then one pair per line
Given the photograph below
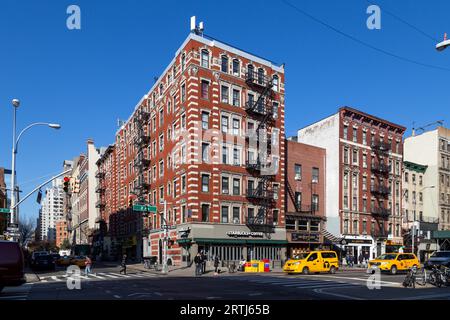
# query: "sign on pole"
x,y
5,210
144,208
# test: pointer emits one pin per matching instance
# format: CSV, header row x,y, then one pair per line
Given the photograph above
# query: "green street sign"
x,y
144,208
5,210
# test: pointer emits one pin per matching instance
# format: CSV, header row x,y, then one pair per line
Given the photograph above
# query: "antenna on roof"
x,y
197,29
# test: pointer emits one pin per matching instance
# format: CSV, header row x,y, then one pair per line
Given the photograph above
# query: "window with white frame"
x,y
225,185
183,184
224,124
224,214
236,186
205,120
236,98
224,64
236,215
205,58
205,152
275,83
236,126
236,67
236,157
161,169
225,94
205,182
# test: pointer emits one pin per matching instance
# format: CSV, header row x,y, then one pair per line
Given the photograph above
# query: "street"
x,y
107,284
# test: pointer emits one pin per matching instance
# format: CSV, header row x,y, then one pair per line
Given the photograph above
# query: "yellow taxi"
x,y
311,262
64,261
79,261
394,262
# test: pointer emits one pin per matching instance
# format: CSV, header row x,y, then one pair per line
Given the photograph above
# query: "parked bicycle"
x,y
415,276
151,263
437,276
232,267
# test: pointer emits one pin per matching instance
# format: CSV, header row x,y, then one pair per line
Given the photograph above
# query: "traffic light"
x,y
66,182
76,186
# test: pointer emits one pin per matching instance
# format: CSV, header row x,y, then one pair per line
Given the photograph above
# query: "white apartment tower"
x,y
52,210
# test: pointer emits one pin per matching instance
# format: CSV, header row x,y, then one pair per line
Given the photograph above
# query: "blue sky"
x,y
86,79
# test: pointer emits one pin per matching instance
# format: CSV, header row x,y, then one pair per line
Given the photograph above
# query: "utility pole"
x,y
165,268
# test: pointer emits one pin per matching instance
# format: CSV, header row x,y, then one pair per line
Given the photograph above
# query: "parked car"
x,y
394,262
438,258
11,265
34,255
55,256
315,261
44,262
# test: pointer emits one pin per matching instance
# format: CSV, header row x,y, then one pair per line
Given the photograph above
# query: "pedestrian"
x,y
216,265
361,259
88,264
198,264
123,265
204,259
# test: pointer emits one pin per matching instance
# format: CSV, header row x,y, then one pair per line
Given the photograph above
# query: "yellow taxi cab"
x,y
64,261
79,261
311,262
394,262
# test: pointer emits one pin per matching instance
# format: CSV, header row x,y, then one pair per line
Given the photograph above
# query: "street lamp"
x,y
444,44
16,103
414,218
165,268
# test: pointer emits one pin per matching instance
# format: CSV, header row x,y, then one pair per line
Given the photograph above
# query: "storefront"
x,y
394,245
230,242
299,242
359,245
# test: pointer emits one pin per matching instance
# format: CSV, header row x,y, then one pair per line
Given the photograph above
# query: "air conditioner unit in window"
x,y
298,177
236,220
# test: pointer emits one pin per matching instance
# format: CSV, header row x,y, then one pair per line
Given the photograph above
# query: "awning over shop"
x,y
233,241
331,237
443,234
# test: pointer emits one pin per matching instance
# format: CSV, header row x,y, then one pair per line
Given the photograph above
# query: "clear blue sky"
x,y
86,79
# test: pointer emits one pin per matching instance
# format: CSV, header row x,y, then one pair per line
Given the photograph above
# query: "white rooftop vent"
x,y
197,29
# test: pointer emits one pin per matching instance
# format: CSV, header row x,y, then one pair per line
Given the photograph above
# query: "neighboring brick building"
x,y
305,196
364,168
186,143
61,232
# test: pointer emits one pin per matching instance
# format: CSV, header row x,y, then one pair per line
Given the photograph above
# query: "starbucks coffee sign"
x,y
245,234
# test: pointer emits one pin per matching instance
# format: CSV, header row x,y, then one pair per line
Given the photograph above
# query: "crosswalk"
x,y
99,276
296,283
16,293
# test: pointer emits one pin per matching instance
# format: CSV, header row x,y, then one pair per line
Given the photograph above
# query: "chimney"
x,y
90,141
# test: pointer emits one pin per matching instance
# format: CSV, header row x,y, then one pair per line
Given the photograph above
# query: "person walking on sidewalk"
x,y
198,264
204,259
88,264
216,265
123,265
361,259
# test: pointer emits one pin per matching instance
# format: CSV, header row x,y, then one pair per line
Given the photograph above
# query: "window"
x,y
205,89
236,215
315,202
183,62
224,214
205,183
161,169
224,124
355,203
183,121
183,184
236,125
298,171
161,193
355,134
345,180
406,176
355,156
205,58
364,205
236,98
346,155
161,117
364,183
315,175
236,158
205,152
161,142
205,120
275,83
261,76
183,92
224,155
224,65
355,226
414,178
225,91
236,187
345,202
364,138
236,67
345,132
205,212
364,160
225,185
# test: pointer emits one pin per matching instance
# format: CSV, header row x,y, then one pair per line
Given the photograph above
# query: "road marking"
x,y
158,294
117,297
255,294
430,296
108,275
138,294
96,276
365,280
56,278
321,291
330,286
120,275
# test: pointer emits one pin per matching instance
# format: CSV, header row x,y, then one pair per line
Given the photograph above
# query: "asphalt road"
x,y
108,284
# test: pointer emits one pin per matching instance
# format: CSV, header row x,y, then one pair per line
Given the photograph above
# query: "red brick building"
x,y
364,167
208,139
61,232
305,197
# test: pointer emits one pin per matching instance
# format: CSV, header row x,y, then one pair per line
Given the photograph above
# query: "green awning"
x,y
239,241
443,234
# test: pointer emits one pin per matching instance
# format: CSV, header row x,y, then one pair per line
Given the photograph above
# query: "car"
x,y
55,256
394,262
64,261
312,262
44,262
79,261
438,258
35,254
12,272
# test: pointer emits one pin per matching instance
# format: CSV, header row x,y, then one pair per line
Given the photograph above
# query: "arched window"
x,y
205,59
275,83
235,67
183,61
224,66
161,89
261,76
250,71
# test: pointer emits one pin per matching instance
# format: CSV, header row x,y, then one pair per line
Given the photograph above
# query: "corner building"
x,y
208,139
364,176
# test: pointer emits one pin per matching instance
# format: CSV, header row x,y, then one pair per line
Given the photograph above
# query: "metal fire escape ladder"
x,y
141,141
263,195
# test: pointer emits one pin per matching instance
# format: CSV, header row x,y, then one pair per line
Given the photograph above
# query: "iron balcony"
x,y
381,168
100,204
253,78
381,212
142,140
381,146
142,186
100,174
142,116
100,189
142,163
380,190
261,194
260,224
260,108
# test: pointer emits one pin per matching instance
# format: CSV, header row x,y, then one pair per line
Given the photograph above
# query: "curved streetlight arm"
x,y
27,128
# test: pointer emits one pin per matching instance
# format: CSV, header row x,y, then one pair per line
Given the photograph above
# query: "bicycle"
x,y
437,277
151,263
414,277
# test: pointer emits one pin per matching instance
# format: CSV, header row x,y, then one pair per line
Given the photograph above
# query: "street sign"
x,y
5,210
144,208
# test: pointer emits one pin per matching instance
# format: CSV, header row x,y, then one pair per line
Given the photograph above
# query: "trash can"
x,y
266,265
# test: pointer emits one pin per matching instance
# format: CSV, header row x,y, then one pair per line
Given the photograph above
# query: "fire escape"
x,y
379,189
141,162
100,189
261,110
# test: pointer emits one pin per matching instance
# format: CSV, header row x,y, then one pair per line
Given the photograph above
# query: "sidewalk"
x,y
30,276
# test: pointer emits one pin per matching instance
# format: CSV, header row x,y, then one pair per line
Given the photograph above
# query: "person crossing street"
x,y
198,264
124,265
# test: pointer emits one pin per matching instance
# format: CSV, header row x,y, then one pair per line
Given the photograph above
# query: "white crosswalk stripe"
x,y
99,276
297,283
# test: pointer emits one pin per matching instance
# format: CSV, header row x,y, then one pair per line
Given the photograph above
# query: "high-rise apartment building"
x,y
364,170
52,210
